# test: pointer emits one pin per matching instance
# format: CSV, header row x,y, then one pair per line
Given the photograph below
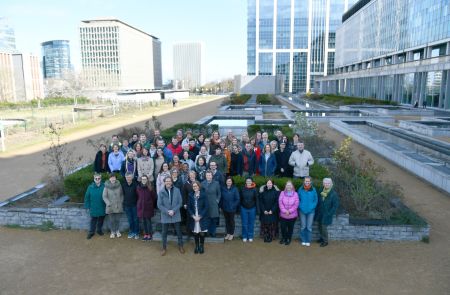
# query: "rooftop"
x,y
119,21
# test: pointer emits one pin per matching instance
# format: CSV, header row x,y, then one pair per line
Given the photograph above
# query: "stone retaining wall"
x,y
78,218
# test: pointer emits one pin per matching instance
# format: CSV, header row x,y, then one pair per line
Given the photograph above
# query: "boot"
x,y
201,249
197,243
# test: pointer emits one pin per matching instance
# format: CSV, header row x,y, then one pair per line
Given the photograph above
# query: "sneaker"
x,y
303,244
307,244
244,240
230,238
100,233
130,235
227,237
136,236
89,236
250,240
112,236
118,234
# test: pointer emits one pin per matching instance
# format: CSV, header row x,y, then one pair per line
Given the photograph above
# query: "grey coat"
x,y
164,205
213,194
113,197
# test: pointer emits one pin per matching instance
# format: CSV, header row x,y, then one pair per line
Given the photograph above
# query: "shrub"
x,y
270,129
236,99
348,100
196,129
267,99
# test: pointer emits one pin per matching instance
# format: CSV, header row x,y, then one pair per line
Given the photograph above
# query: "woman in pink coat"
x,y
288,203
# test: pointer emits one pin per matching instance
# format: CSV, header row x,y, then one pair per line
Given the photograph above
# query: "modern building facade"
x,y
56,59
394,50
293,38
7,37
117,56
20,77
188,65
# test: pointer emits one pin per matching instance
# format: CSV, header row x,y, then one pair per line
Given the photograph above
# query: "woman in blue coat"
x,y
326,208
308,202
267,162
229,203
198,216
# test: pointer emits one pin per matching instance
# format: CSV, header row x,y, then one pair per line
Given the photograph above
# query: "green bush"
x,y
75,184
348,100
267,99
239,99
270,129
196,129
407,216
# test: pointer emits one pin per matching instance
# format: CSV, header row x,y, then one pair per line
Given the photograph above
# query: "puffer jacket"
x,y
288,202
113,197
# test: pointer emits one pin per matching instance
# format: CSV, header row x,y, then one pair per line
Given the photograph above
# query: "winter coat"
x,y
229,200
146,166
115,161
160,180
249,162
113,197
221,162
327,208
146,202
186,191
201,171
267,168
301,162
166,203
213,194
219,177
168,155
98,162
308,199
249,197
129,166
175,149
178,183
282,158
236,165
268,201
289,204
202,207
93,200
129,193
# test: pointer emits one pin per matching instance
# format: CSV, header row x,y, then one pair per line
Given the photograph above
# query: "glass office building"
x,y
55,59
293,38
393,50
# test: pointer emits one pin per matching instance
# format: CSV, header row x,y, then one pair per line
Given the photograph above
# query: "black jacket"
x,y
268,201
236,164
98,162
129,194
283,162
249,197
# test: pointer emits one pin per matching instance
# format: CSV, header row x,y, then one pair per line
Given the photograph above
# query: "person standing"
x,y
220,160
129,187
101,160
163,173
282,156
115,159
212,192
248,200
301,160
93,201
145,166
248,161
326,207
236,162
308,202
146,203
198,216
288,203
129,165
267,162
229,203
268,210
113,198
169,203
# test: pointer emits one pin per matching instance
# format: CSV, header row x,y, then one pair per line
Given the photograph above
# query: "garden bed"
x,y
339,100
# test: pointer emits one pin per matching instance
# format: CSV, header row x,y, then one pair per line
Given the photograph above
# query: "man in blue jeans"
x,y
129,205
248,209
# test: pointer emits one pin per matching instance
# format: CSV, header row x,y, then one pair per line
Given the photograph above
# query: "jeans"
x,y
114,222
213,221
229,222
306,226
287,227
133,220
96,222
248,222
165,228
323,232
147,224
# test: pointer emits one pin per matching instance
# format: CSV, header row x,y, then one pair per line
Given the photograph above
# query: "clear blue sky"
x,y
220,24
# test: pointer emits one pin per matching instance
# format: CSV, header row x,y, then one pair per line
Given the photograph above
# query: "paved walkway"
x,y
252,100
24,169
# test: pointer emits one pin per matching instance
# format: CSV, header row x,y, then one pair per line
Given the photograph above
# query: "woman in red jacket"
x,y
146,203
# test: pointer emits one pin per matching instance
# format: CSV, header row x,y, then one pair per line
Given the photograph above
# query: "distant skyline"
x,y
220,24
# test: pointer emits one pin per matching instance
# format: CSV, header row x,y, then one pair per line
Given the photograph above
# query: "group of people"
x,y
190,181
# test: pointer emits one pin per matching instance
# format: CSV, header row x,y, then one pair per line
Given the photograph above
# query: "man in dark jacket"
x,y
249,161
282,155
212,190
217,174
236,162
129,205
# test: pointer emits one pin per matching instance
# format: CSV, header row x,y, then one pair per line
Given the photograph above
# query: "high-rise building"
x,y
117,56
20,77
394,50
55,59
188,65
293,38
7,37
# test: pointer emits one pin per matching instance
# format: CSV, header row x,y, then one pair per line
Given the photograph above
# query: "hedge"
x,y
270,129
267,99
349,100
196,129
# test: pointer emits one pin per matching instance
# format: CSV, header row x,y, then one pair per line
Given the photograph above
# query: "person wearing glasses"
x,y
93,201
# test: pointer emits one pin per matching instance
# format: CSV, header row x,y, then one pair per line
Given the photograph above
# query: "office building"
x,y
394,50
56,59
7,37
116,56
293,38
188,65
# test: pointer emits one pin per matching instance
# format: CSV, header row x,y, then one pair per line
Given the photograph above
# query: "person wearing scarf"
x,y
327,206
288,203
308,202
129,165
